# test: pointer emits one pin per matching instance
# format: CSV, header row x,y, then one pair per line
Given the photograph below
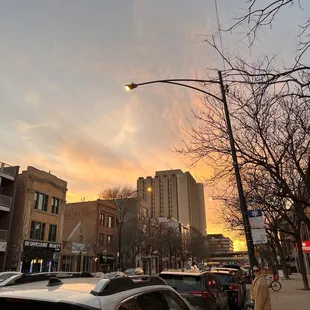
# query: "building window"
x,y
87,263
110,222
52,233
55,205
100,239
101,219
67,263
109,240
40,201
37,231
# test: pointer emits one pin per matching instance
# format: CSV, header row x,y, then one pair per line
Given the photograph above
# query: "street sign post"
x,y
256,220
259,236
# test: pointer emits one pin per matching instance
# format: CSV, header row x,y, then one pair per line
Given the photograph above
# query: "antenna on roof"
x,y
54,282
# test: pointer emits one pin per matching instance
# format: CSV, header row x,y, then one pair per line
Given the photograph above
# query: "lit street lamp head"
x,y
130,86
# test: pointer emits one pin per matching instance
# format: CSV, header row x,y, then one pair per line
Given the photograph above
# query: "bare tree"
x,y
114,193
149,241
132,236
170,239
261,15
279,213
184,249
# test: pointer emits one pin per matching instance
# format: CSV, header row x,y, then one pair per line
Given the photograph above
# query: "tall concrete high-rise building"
x,y
175,194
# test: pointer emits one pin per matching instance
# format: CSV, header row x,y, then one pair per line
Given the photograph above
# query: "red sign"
x,y
305,246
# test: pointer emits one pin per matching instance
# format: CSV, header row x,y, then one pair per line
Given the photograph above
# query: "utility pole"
x,y
243,206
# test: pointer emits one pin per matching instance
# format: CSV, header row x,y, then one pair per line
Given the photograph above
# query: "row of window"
x,y
101,239
38,230
68,263
110,221
41,203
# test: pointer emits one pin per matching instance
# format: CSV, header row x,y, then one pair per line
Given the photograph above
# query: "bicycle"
x,y
274,284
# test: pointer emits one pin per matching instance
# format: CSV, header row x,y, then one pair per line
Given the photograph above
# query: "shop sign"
x,y
42,245
305,246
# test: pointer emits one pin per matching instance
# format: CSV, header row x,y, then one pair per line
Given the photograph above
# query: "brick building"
x,y
36,234
7,196
89,229
220,244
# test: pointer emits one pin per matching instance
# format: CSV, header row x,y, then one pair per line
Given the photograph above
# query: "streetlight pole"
x,y
243,205
242,201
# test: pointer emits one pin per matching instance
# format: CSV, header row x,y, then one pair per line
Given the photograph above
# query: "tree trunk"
x,y
282,257
302,264
160,261
150,265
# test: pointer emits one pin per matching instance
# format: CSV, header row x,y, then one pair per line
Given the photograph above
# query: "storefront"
x,y
40,256
78,257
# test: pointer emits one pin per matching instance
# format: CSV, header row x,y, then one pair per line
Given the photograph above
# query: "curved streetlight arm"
x,y
192,87
178,80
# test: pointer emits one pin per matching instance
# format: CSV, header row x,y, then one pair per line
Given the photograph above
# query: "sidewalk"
x,y
291,296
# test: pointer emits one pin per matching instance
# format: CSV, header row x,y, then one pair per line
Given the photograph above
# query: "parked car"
x,y
246,274
201,289
64,292
236,272
7,275
234,288
232,266
134,271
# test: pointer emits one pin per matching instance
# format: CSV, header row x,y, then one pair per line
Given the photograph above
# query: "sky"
x,y
64,65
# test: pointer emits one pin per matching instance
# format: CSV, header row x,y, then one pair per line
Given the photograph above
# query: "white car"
x,y
66,292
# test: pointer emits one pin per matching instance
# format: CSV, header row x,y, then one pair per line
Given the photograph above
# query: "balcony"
x,y
5,203
3,235
7,171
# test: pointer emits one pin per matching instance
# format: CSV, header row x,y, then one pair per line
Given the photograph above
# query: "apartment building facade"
x,y
219,244
37,226
175,194
89,232
7,198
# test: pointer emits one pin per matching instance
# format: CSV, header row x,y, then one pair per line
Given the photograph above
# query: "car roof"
x,y
73,291
227,269
193,272
77,291
221,271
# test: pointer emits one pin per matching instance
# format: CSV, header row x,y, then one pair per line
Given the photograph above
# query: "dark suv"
x,y
201,289
234,288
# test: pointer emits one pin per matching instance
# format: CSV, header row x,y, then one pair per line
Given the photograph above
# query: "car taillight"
x,y
203,294
233,287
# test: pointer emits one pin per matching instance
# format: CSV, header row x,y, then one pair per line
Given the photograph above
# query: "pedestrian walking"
x,y
260,298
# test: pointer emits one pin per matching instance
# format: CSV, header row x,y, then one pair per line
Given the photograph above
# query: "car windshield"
x,y
225,278
182,283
